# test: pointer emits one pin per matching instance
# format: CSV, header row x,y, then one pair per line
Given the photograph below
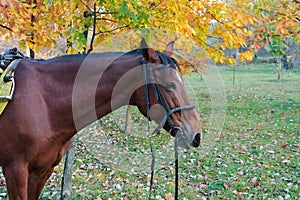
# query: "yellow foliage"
x,y
215,25
246,56
280,17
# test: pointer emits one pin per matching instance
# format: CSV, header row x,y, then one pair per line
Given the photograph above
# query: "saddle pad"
x,y
5,89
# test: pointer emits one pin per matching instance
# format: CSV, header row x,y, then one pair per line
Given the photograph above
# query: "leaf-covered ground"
x,y
256,156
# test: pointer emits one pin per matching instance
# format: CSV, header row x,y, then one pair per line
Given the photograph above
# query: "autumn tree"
x,y
278,23
277,20
26,21
215,25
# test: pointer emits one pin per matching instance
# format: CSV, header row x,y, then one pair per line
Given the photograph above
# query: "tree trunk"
x,y
31,53
233,76
279,68
66,186
128,119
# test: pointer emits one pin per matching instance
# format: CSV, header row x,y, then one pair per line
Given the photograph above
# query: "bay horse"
x,y
39,122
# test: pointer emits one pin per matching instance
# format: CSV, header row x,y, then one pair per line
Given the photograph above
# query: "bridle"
x,y
149,79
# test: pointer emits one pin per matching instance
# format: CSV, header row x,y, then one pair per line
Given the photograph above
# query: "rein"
x,y
149,79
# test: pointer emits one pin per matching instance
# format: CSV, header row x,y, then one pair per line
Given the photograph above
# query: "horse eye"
x,y
170,85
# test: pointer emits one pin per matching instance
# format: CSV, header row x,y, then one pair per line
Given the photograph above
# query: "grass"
x,y
256,156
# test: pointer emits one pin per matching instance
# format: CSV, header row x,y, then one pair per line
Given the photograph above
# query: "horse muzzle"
x,y
183,140
197,140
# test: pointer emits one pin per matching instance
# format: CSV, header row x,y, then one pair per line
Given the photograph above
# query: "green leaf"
x,y
123,9
47,2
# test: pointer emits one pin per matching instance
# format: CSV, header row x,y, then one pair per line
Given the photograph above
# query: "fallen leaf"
x,y
169,196
200,162
286,161
238,194
106,183
270,134
240,173
52,183
254,182
244,133
203,186
139,190
243,147
235,182
226,185
283,144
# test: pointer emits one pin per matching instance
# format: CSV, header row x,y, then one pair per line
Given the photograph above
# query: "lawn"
x,y
250,148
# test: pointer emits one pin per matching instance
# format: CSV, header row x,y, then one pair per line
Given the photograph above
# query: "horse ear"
x,y
148,53
169,49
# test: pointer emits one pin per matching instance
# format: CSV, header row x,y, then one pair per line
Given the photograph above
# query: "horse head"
x,y
164,98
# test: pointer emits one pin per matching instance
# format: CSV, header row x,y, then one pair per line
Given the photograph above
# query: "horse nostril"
x,y
196,141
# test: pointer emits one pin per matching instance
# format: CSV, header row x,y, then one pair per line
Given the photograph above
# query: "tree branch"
x,y
94,30
216,38
6,27
112,30
212,15
101,13
296,19
106,19
87,6
106,13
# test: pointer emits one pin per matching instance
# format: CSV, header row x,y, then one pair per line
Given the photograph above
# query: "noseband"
x,y
149,79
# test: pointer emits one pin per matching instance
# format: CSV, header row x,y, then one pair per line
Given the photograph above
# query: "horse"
x,y
52,102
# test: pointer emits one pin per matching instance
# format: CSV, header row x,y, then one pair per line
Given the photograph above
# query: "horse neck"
x,y
99,90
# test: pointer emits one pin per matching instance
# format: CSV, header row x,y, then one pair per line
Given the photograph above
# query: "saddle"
x,y
7,56
9,60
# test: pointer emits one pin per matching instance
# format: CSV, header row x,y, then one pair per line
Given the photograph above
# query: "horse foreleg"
x,y
37,181
16,176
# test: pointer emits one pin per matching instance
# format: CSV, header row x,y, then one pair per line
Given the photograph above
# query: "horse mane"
x,y
165,60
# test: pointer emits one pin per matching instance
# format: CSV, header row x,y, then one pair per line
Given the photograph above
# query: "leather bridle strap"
x,y
148,74
148,126
176,168
167,116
